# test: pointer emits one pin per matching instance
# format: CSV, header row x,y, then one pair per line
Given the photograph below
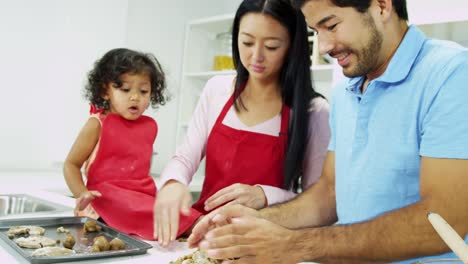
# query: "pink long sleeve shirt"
x,y
216,92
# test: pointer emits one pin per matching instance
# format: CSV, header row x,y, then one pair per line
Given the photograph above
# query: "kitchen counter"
x,y
50,186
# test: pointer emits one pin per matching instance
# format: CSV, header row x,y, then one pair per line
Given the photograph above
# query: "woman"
x,y
260,130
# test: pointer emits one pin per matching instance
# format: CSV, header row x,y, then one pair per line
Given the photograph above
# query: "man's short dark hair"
x,y
362,5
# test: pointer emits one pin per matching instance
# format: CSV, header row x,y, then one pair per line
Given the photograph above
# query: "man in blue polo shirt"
x,y
399,149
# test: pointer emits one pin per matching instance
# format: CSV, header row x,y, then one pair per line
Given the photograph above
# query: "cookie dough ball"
x,y
91,226
69,242
102,243
117,244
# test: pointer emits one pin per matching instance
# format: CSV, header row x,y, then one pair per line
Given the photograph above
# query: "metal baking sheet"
x,y
84,240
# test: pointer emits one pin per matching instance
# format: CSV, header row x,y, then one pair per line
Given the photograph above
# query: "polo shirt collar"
x,y
401,62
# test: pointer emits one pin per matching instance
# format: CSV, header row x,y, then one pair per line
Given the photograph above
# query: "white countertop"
x,y
50,186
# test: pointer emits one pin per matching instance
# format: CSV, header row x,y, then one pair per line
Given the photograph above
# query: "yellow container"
x,y
223,54
223,62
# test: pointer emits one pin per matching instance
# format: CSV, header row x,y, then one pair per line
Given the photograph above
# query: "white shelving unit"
x,y
200,45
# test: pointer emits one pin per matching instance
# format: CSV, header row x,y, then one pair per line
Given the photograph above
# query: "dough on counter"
x,y
35,242
52,252
26,230
197,257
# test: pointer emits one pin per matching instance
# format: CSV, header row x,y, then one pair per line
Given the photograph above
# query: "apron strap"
x,y
227,106
285,113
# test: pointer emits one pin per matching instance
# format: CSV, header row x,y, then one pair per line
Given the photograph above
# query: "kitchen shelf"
x,y
208,74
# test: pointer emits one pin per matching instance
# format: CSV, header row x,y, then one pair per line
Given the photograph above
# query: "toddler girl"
x,y
116,143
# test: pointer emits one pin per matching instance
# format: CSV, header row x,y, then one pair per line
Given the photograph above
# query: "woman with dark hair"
x,y
264,131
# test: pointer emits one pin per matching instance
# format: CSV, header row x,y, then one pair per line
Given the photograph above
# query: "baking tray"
x,y
83,243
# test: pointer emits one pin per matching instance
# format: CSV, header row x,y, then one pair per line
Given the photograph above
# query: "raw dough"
x,y
62,230
52,252
31,230
35,242
196,257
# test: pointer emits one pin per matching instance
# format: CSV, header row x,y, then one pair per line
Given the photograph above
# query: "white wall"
x,y
46,49
436,11
48,46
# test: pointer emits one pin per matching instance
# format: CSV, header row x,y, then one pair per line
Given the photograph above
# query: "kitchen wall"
x,y
48,46
46,50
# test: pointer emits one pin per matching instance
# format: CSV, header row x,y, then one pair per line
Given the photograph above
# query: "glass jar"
x,y
223,53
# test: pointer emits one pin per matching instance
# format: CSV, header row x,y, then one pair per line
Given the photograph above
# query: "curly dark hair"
x,y
117,62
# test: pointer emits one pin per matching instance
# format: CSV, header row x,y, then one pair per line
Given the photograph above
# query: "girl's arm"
x,y
79,153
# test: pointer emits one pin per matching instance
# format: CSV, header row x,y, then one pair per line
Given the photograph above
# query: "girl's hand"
x,y
84,199
173,198
247,195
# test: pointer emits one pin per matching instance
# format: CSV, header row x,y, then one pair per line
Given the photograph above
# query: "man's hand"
x,y
249,239
84,199
250,196
218,217
173,198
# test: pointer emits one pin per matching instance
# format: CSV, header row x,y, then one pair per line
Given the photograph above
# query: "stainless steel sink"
x,y
20,204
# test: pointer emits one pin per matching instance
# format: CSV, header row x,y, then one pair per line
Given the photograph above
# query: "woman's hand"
x,y
84,199
247,195
173,198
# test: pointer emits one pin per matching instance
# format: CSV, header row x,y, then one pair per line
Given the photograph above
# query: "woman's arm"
x,y
190,153
173,194
318,137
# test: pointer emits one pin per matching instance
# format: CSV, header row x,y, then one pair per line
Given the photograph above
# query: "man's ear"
x,y
386,9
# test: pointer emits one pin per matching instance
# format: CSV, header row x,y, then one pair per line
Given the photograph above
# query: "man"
x,y
399,149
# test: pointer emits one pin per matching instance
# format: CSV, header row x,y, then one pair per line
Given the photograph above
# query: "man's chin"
x,y
352,72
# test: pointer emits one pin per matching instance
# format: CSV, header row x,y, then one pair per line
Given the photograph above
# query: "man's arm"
x,y
314,207
401,234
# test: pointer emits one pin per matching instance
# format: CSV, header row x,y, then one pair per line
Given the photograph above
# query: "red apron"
x,y
237,156
120,172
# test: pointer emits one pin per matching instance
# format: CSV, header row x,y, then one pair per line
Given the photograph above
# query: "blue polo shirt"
x,y
418,107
